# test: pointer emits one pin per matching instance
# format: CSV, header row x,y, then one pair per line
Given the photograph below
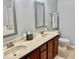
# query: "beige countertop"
x,y
30,45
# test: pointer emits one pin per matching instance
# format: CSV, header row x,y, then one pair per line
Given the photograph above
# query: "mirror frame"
x,y
52,15
36,3
15,24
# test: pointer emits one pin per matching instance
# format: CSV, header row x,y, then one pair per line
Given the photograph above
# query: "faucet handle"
x,y
10,44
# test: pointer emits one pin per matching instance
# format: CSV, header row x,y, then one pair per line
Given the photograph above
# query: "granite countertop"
x,y
30,45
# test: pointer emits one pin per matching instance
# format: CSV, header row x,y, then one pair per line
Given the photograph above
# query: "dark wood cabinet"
x,y
50,49
43,55
55,46
46,51
43,51
33,55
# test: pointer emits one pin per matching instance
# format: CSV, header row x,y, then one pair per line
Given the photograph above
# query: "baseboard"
x,y
71,46
58,57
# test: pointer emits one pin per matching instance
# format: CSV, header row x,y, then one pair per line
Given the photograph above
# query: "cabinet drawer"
x,y
43,47
43,55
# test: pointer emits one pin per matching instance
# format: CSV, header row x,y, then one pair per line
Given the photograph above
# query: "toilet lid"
x,y
63,40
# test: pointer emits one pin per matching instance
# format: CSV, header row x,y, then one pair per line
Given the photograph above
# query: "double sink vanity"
x,y
43,46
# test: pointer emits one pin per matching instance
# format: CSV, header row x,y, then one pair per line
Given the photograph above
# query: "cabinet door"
x,y
50,49
43,55
32,55
55,46
43,51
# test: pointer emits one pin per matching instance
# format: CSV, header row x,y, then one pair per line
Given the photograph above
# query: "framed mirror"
x,y
39,14
54,20
9,18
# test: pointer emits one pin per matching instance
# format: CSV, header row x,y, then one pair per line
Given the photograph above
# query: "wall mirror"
x,y
9,18
54,20
39,14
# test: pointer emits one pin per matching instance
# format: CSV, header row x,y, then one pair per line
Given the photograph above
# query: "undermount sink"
x,y
15,50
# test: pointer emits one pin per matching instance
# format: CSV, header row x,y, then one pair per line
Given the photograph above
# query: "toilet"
x,y
62,49
64,42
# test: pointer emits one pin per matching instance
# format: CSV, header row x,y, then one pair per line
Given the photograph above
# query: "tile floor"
x,y
58,57
70,54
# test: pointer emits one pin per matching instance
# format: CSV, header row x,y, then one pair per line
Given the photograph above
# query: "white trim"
x,y
72,46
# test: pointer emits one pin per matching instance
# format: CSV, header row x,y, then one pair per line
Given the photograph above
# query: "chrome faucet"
x,y
10,44
41,32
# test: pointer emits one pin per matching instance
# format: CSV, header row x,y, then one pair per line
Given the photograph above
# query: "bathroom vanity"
x,y
41,47
46,51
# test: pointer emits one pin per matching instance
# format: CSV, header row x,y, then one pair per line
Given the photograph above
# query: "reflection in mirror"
x,y
9,18
39,14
